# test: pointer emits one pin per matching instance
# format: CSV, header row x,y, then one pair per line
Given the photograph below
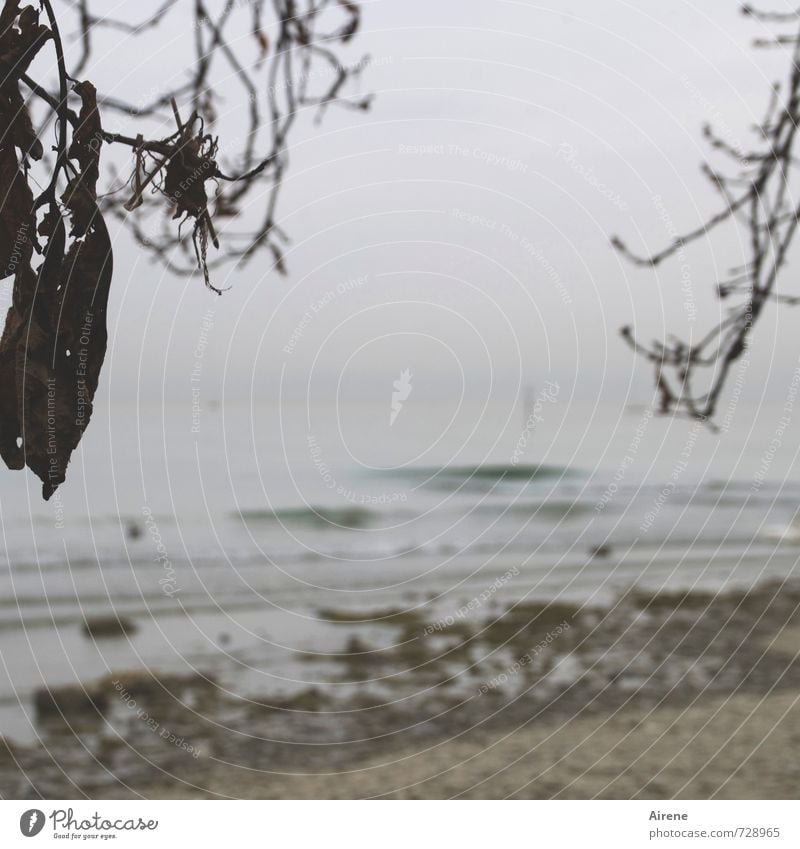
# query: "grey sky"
x,y
462,226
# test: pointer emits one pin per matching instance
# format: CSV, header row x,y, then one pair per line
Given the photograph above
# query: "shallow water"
x,y
224,545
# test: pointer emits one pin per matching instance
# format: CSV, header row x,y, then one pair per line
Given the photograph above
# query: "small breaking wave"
x,y
312,517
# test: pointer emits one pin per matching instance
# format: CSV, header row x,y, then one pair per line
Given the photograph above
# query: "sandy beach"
x,y
733,748
679,694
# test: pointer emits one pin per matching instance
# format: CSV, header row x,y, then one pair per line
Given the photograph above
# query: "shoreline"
x,y
646,662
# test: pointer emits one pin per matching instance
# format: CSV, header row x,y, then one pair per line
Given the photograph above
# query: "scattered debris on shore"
x,y
528,665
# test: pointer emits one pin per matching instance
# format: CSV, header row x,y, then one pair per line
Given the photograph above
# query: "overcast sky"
x,y
463,224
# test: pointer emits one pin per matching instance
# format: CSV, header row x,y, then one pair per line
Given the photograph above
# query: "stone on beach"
x,y
108,626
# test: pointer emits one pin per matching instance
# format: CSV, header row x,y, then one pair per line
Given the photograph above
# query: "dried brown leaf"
x,y
16,122
16,215
184,180
10,424
19,43
80,196
60,355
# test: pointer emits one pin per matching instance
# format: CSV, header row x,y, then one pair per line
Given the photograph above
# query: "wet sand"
x,y
669,695
736,748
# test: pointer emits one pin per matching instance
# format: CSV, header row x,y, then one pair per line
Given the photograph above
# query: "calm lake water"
x,y
223,533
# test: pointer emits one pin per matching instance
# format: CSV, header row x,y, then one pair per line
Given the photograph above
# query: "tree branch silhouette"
x,y
757,199
54,340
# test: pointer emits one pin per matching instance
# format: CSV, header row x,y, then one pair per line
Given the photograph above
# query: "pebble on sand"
x,y
108,626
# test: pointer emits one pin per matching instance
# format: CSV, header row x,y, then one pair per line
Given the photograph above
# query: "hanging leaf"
x,y
14,114
189,166
16,215
80,196
21,38
185,178
55,336
60,355
10,422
